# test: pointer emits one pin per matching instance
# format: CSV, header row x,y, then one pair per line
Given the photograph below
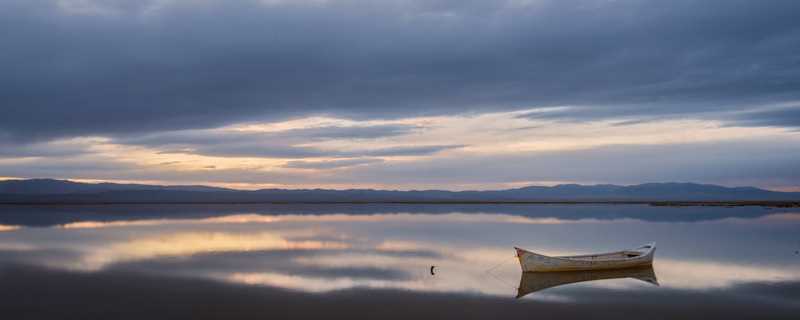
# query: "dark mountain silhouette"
x,y
62,191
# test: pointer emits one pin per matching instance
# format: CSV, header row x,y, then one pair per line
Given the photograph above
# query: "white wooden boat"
x,y
534,262
530,282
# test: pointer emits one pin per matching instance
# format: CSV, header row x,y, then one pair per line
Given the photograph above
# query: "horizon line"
x,y
213,185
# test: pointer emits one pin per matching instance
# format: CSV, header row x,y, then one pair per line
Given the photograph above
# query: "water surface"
x,y
732,258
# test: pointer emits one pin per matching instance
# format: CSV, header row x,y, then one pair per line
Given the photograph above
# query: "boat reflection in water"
x,y
535,281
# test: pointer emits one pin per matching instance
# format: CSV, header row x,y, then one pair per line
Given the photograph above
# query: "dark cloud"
x,y
111,67
780,117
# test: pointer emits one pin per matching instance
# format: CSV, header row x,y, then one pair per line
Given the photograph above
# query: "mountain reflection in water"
x,y
531,282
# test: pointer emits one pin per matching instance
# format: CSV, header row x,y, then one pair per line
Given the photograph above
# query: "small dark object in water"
x,y
432,273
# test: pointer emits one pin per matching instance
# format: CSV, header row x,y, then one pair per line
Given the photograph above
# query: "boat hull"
x,y
534,262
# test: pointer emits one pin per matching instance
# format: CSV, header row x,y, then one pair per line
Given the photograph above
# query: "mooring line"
x,y
497,265
505,282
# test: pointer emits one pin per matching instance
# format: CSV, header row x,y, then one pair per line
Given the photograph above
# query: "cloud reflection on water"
x,y
319,253
188,244
399,217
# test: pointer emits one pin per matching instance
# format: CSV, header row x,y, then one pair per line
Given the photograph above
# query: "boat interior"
x,y
626,254
606,256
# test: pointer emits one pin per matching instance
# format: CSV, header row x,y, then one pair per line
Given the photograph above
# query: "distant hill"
x,y
53,186
62,191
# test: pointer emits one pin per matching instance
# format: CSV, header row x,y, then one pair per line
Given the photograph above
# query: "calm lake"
x,y
374,261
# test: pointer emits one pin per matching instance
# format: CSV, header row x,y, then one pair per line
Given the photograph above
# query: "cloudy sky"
x,y
401,94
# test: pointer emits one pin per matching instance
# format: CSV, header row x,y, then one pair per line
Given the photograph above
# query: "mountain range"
x,y
64,191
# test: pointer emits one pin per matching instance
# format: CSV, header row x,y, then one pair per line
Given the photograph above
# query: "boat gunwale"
x,y
645,254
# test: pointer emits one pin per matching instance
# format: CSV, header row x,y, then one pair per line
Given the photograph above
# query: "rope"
x,y
498,265
505,282
490,273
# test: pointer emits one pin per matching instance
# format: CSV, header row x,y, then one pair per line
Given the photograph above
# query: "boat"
x,y
534,262
531,282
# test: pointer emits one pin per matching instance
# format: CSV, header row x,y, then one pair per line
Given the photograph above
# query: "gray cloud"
x,y
409,150
278,150
738,162
262,150
584,113
330,164
192,137
281,144
781,117
42,149
83,167
352,132
139,68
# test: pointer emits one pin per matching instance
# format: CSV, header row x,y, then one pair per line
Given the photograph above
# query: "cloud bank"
x,y
162,83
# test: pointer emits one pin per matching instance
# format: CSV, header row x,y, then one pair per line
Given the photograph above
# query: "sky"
x,y
401,94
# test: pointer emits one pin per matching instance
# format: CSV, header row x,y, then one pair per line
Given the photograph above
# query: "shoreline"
x,y
744,203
